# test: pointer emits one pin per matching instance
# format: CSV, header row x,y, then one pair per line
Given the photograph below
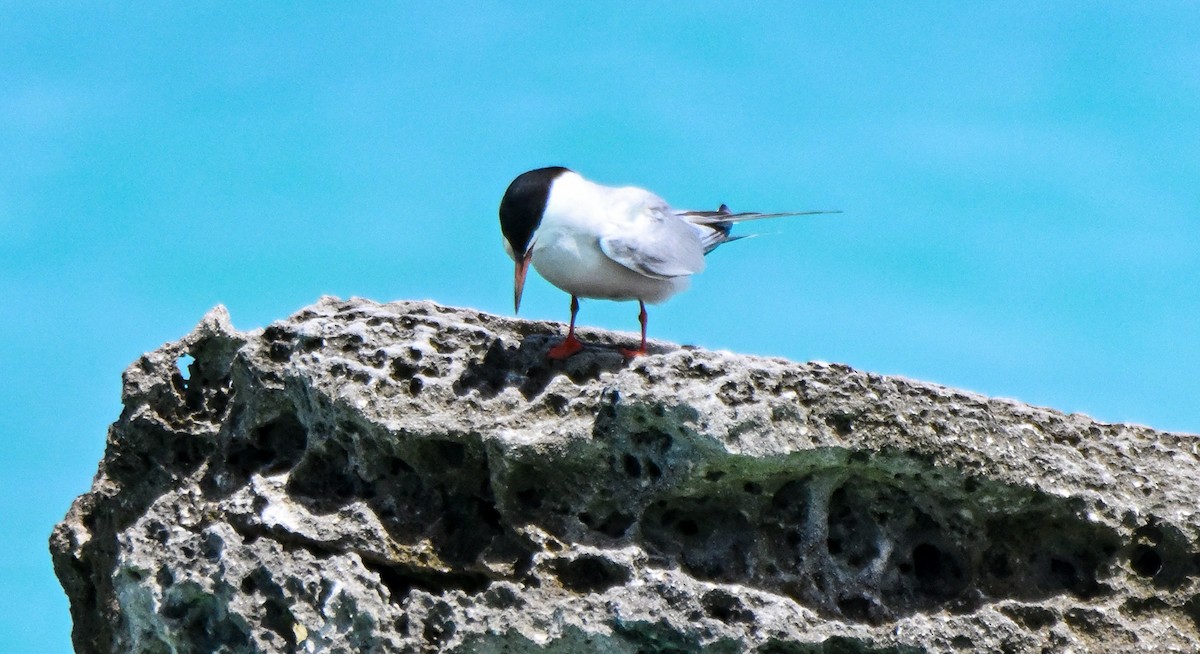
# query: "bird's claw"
x,y
569,347
629,354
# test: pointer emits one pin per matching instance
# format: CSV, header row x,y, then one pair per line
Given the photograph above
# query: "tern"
x,y
613,243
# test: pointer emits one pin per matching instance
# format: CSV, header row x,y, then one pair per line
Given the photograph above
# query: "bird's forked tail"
x,y
715,226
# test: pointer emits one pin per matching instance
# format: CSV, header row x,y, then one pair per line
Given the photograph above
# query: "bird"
x,y
615,243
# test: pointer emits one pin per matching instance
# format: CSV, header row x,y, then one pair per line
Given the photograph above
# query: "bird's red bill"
x,y
519,279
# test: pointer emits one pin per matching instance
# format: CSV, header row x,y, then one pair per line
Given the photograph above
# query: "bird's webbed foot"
x,y
629,354
566,349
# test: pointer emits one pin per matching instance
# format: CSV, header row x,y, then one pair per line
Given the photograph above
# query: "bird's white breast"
x,y
567,250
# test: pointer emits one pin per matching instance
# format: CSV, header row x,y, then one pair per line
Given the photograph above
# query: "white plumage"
x,y
613,243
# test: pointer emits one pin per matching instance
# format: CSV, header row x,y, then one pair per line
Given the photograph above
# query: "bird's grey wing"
x,y
656,244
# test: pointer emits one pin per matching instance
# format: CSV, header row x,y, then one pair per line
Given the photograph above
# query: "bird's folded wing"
x,y
657,245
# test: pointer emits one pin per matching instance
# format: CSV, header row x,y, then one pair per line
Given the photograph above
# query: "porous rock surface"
x,y
408,477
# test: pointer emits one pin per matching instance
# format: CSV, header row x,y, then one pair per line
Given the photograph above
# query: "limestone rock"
x,y
407,477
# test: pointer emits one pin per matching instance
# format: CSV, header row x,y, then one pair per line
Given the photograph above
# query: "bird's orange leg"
x,y
642,349
570,344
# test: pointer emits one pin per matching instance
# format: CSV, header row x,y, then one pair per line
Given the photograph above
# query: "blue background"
x,y
1019,182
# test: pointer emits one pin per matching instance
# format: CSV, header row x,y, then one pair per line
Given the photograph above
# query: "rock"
x,y
408,478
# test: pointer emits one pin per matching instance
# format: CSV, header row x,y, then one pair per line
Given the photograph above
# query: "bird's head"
x,y
520,214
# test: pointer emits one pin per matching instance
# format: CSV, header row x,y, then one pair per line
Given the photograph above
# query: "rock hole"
x,y
278,618
727,608
271,448
590,573
927,563
615,525
938,572
279,352
1032,617
557,402
791,501
324,477
277,333
402,370
962,642
284,439
632,467
653,471
841,423
400,580
310,343
184,364
1145,561
851,531
1150,533
489,514
855,608
1064,573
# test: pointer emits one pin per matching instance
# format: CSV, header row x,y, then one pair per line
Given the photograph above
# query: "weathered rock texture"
x,y
408,478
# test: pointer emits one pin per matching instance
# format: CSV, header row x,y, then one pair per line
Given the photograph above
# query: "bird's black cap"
x,y
523,204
